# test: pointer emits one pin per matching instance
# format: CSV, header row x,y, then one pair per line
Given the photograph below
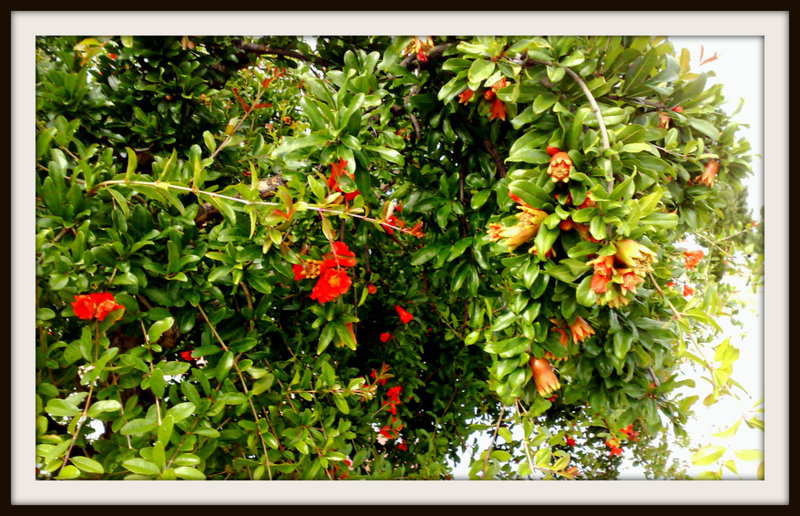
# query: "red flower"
x,y
385,337
488,94
678,109
603,267
404,316
394,393
371,288
388,432
84,306
687,290
616,451
498,110
465,96
692,258
187,355
96,305
552,151
422,56
331,284
403,446
341,256
587,203
337,171
308,269
570,440
112,55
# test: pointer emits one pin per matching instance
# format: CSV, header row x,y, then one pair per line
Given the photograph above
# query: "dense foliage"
x,y
270,258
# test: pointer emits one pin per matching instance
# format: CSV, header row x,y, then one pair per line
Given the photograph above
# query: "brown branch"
x,y
258,49
498,161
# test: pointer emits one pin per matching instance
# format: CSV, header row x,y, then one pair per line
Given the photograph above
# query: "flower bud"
x,y
543,376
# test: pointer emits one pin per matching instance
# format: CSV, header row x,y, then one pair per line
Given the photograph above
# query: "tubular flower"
x,y
563,336
663,121
465,96
692,258
603,266
498,110
633,254
560,167
526,227
710,172
308,269
580,329
331,284
543,376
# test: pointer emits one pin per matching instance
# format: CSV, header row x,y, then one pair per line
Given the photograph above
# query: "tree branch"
x,y
498,161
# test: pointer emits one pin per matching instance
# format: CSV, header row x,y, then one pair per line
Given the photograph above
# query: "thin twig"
x,y
491,444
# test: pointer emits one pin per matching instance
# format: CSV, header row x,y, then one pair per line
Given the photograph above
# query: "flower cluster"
x,y
421,47
634,436
614,445
528,222
97,305
692,258
617,275
333,279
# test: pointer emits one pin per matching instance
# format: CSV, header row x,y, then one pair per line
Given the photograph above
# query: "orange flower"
x,y
678,109
587,203
633,254
627,279
498,110
710,172
488,95
465,96
417,230
105,305
560,167
692,258
543,376
688,291
526,227
331,284
371,288
502,83
603,266
563,339
663,121
580,329
566,224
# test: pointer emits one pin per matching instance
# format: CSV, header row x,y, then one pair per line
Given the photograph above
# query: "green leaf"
x,y
425,254
386,153
59,407
181,411
708,454
704,127
99,407
141,466
159,327
531,194
480,70
749,455
88,465
138,426
68,473
131,163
